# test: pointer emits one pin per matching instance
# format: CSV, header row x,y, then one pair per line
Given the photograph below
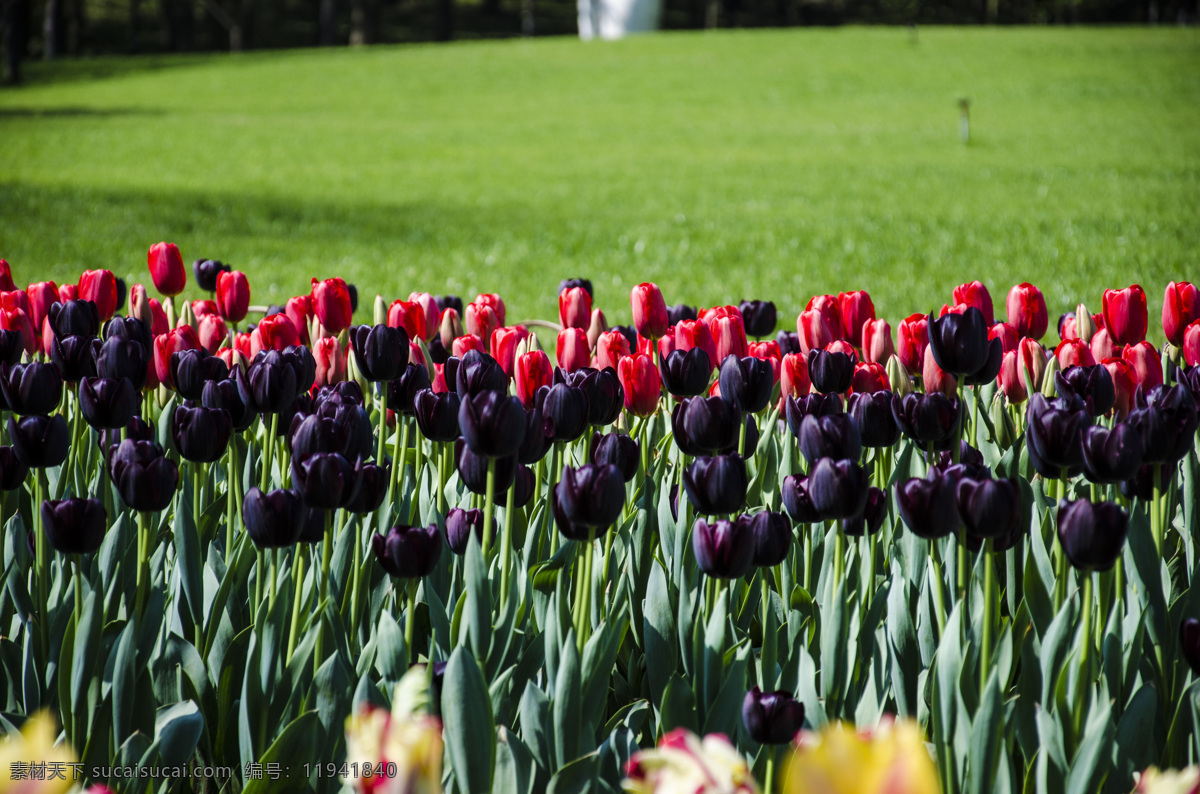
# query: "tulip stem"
x,y
506,548
767,659
399,453
609,537
143,571
381,403
938,586
297,598
326,555
585,595
839,555
742,440
769,782
443,453
259,575
196,499
268,449
274,574
1085,656
989,616
356,580
488,507
418,448
410,618
43,568
1156,510
231,500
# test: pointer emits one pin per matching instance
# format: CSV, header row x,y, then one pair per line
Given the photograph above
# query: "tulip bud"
x,y
408,552
233,296
1052,368
331,304
74,526
460,525
325,480
723,549
929,506
935,379
1092,534
1027,311
492,423
898,377
372,488
166,268
772,717
1125,314
1006,430
272,520
759,317
590,495
716,485
872,415
641,383
913,335
145,478
108,403
976,294
1085,326
1146,363
597,326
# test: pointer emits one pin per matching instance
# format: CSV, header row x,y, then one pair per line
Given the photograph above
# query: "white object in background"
x,y
613,19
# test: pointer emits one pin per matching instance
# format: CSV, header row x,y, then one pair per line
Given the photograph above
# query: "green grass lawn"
x,y
772,164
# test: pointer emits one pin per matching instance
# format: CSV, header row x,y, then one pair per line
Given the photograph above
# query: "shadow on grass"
x,y
73,70
74,112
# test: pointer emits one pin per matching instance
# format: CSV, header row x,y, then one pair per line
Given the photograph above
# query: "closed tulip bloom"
x,y
1191,344
575,308
74,526
166,268
450,327
12,344
1189,643
42,295
856,309
233,295
769,352
273,520
325,480
492,424
976,294
830,307
74,357
98,286
1010,379
1027,311
935,379
460,525
869,378
531,372
268,386
1125,314
402,392
571,349
694,333
277,332
1008,336
13,470
74,318
723,549
472,469
796,408
926,418
611,347
331,304
224,394
1111,455
991,369
1092,534
207,271
960,341
746,382
331,361
989,508
437,414
1166,423
122,358
539,437
478,372
504,344
449,302
496,303
567,408
606,396
16,321
174,341
796,500
729,335
1030,364
1055,434
876,342
408,552
145,478
108,403
831,372
772,718
481,320
1146,364
872,416
758,317
772,533
929,507
711,423
814,331
686,374
834,437
716,485
680,312
641,384
380,351
1124,384
870,521
591,495
6,279
793,376
838,489
1074,353
372,488
31,389
201,434
191,369
616,449
1181,307
912,339
1093,385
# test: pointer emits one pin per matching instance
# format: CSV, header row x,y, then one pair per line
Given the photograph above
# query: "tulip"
x,y
641,383
1011,379
42,296
746,382
13,470
1166,423
772,534
74,357
575,308
868,378
684,763
74,526
926,418
224,394
504,344
268,386
716,485
1092,534
1111,455
16,321
74,318
108,403
1030,365
40,442
838,489
402,392
481,320
793,376
567,408
325,480
796,408
207,271
960,342
100,287
1055,434
872,416
449,327
201,434
191,369
539,437
606,396
772,717
273,520
723,549
710,423
1027,311
1191,344
929,507
694,333
649,310
1189,643
814,331
380,351
729,335
876,342
892,759
769,352
1125,383
175,341
460,525
32,388
437,414
372,488
1093,385
758,317
1181,307
409,317
6,279
833,436
331,361
145,478
796,500
611,347
1008,336
12,344
871,519
935,379
1074,353
571,349
855,309
1146,364
1125,314
686,373
912,339
408,552
831,373
975,294
989,508
233,295
830,308
492,424
616,449
166,268
331,304
591,495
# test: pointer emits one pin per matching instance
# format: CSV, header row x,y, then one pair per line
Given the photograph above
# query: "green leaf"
x,y
187,558
577,777
469,727
124,692
478,612
678,708
1134,748
296,744
1091,760
987,738
177,729
660,635
567,707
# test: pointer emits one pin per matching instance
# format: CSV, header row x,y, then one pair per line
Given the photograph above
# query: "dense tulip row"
x,y
672,528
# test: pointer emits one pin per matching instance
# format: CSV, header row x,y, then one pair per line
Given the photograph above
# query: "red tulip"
x,y
166,269
855,310
913,338
1146,364
46,340
793,376
831,309
1007,334
504,346
640,379
531,372
6,279
1191,344
331,304
429,306
935,379
1125,383
416,354
571,350
877,346
729,333
234,357
331,361
481,320
1011,378
212,332
174,341
203,307
41,296
575,308
68,292
767,351
495,301
409,316
1181,307
695,333
242,343
449,326
649,310
299,310
439,379
1031,358
100,286
611,347
1102,346
870,377
462,344
814,331
277,332
975,294
16,319
17,299
1074,353
1125,315
1027,310
233,295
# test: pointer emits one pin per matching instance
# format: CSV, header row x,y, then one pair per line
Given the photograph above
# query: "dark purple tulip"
x,y
572,283
123,358
131,329
522,489
1189,643
300,359
312,434
772,717
144,476
137,429
492,423
31,389
74,526
201,434
831,371
268,386
352,291
871,520
75,356
772,536
438,354
472,470
74,318
716,485
929,507
968,457
926,418
796,500
380,352
40,442
1141,484
566,408
1111,456
872,413
838,489
224,394
1092,533
1189,378
959,341
207,271
590,495
618,449
759,318
12,345
829,437
989,508
13,470
291,416
372,488
478,372
402,392
460,524
679,431
408,552
346,392
680,312
569,529
108,403
539,437
796,408
789,342
273,520
686,373
746,382
605,396
437,414
1166,422
1055,434
191,369
724,549
711,423
354,424
325,480
1092,384
449,302
991,366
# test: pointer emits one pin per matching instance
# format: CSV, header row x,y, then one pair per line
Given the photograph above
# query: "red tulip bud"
x,y
6,279
41,296
1125,383
877,346
100,286
1011,378
575,308
1027,310
1031,362
571,350
1007,334
481,320
466,342
855,309
166,269
213,332
331,361
640,379
496,302
530,372
1125,314
409,316
793,376
1181,307
174,341
935,379
429,307
1191,344
870,377
331,304
277,332
831,309
1074,353
976,294
233,295
504,346
1102,346
1146,364
300,311
611,348
649,310
913,334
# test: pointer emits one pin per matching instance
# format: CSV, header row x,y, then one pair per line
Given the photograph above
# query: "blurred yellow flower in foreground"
x,y
892,759
685,764
407,737
31,763
1171,781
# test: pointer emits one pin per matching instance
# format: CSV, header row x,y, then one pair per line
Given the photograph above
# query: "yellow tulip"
x,y
405,737
839,760
1171,781
31,763
683,763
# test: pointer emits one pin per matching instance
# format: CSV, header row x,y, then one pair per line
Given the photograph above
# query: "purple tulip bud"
x,y
686,373
478,372
472,469
680,312
408,552
716,485
1166,422
723,549
618,449
437,414
123,358
829,437
460,524
108,403
711,423
831,371
191,369
268,386
145,478
838,488
373,485
772,536
772,717
872,413
201,434
959,341
74,318
929,507
796,408
13,470
32,389
567,409
759,317
74,357
1092,384
926,418
1092,533
492,423
606,397
1055,434
40,442
1111,455
871,519
224,394
403,391
1189,643
591,495
380,351
273,520
539,437
206,272
747,382
74,526
325,480
12,345
796,500
989,508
